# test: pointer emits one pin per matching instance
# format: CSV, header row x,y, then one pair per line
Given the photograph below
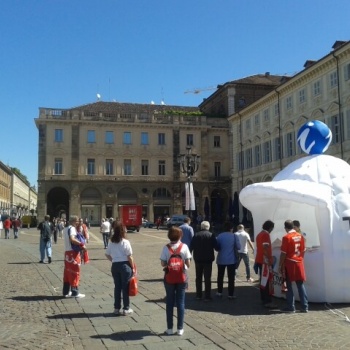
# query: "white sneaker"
x,y
219,295
169,332
128,312
68,295
250,279
180,332
80,295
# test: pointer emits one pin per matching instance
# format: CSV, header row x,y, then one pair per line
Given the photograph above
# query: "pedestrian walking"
x,y
74,245
7,226
244,240
106,231
119,252
291,266
16,224
202,247
175,292
1,226
45,246
227,244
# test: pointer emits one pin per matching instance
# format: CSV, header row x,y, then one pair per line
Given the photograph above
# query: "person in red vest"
x,y
7,226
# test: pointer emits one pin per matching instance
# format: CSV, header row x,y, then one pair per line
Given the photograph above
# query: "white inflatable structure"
x,y
316,191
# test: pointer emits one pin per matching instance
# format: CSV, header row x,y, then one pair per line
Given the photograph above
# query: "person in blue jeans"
x,y
119,252
46,229
175,293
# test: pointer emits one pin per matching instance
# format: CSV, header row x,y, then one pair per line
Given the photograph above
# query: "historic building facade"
x,y
5,188
264,133
98,156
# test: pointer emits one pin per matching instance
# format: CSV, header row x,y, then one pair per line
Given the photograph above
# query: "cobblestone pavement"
x,y
34,315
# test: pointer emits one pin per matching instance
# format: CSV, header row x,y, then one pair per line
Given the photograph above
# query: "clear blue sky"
x,y
61,53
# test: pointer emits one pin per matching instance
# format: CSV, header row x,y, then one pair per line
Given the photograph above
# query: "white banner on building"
x,y
190,202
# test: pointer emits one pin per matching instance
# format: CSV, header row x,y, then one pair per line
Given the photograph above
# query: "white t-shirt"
x,y
72,233
184,252
106,227
243,239
119,251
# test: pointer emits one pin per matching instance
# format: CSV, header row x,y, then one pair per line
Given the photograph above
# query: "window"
x,y
91,166
144,138
127,138
217,142
247,124
302,97
109,137
317,88
161,167
266,115
276,110
333,79
144,167
277,149
335,128
257,155
289,103
161,138
257,120
347,72
240,160
58,166
127,166
248,158
290,144
267,152
217,169
109,167
91,136
58,135
189,140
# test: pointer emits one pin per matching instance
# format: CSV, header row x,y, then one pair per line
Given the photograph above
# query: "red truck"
x,y
131,216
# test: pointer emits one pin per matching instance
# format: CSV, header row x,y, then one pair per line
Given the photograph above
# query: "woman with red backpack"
x,y
175,259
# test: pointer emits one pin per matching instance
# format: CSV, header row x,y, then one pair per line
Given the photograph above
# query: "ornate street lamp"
x,y
189,165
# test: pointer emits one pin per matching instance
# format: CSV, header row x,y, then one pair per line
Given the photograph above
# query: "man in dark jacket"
x,y
203,245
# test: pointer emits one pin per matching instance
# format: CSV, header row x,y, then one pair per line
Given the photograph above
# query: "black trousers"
x,y
231,275
206,270
264,292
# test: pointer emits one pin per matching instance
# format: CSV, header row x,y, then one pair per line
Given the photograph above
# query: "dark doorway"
x,y
58,203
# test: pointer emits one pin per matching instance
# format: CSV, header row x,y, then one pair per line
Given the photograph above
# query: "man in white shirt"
x,y
244,239
106,231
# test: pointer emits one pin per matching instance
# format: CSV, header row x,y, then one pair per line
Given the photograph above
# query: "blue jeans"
x,y
302,295
45,247
245,258
15,232
105,236
175,293
122,273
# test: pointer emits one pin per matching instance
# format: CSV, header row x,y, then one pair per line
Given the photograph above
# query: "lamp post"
x,y
189,165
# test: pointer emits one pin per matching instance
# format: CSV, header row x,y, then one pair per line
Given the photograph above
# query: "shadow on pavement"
x,y
82,315
37,298
126,336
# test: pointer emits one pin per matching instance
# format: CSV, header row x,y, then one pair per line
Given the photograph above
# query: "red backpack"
x,y
176,267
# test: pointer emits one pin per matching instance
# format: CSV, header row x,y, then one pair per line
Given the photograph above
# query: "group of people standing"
x,y
232,248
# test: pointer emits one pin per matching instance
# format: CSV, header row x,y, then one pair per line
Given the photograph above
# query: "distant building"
x,y
96,157
264,132
5,189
